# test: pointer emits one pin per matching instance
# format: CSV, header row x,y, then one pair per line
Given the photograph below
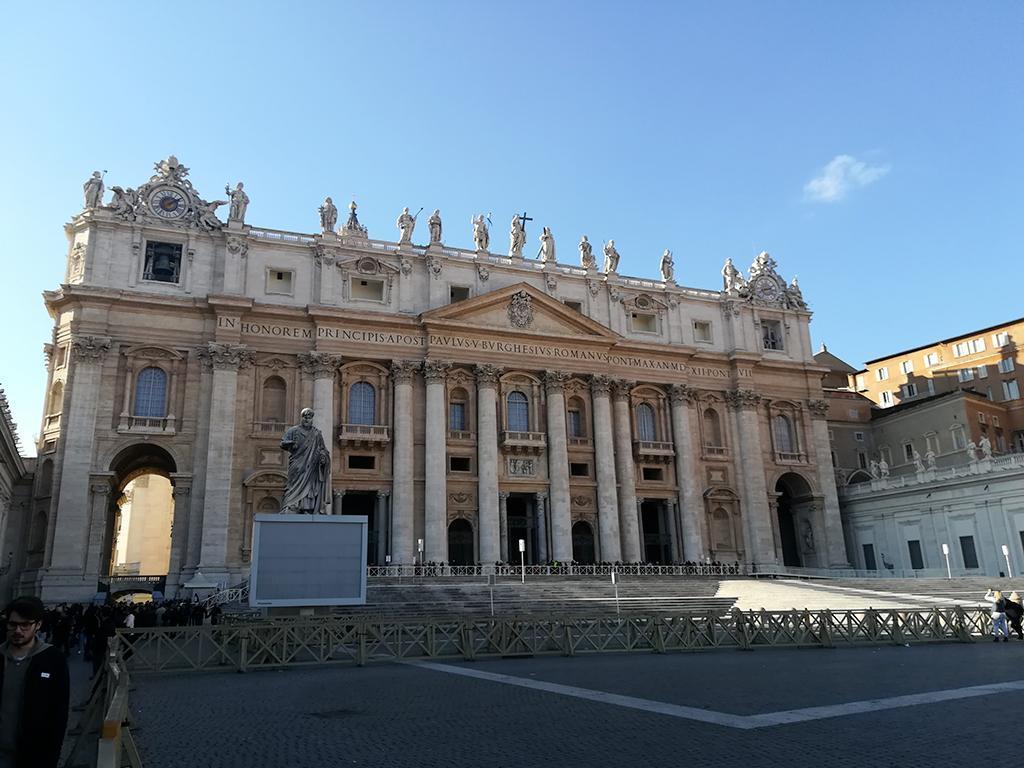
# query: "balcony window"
x,y
645,427
362,403
151,393
517,412
457,416
782,430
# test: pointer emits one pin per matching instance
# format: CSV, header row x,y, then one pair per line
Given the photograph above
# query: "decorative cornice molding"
x,y
89,349
739,399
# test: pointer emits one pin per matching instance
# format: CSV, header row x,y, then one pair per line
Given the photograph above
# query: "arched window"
x,y
712,429
56,399
275,392
645,426
574,418
269,506
362,403
721,530
151,393
782,430
457,411
518,418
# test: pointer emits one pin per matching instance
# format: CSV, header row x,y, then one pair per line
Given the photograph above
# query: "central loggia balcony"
x,y
715,452
523,442
655,450
364,435
147,425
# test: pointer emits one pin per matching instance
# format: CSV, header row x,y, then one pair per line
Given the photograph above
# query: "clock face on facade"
x,y
766,289
167,203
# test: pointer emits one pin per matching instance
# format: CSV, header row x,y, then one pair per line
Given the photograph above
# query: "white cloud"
x,y
843,173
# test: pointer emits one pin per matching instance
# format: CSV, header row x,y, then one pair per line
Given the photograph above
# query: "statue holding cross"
x,y
517,236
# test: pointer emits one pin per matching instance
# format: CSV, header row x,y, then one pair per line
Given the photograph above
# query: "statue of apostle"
x,y
308,467
481,235
668,269
587,260
93,189
406,223
328,215
611,258
434,222
239,202
516,239
547,247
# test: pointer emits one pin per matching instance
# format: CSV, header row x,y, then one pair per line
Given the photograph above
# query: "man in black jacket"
x,y
34,691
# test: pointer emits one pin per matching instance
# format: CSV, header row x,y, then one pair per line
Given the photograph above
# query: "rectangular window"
x,y
163,262
457,293
771,334
931,359
908,451
1000,339
457,416
1006,365
959,441
1011,391
882,374
982,371
362,462
869,557
886,398
931,443
907,366
579,469
971,347
862,460
577,305
858,436
459,464
853,413
916,561
280,281
968,552
931,386
575,422
643,322
908,390
1000,441
371,290
995,421
965,374
702,331
885,454
981,417
859,381
831,435
653,473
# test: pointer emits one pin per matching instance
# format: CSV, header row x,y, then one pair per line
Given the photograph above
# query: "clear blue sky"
x,y
873,148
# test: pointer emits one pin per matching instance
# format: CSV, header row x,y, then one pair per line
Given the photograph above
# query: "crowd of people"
x,y
1005,609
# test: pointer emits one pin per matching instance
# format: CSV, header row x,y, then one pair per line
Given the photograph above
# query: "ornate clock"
x,y
168,203
765,289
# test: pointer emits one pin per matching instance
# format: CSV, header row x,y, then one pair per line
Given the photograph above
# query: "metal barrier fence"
x,y
331,640
564,569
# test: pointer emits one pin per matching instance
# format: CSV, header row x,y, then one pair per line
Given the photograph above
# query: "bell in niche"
x,y
162,265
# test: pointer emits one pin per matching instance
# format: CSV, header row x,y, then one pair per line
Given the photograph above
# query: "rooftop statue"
x,y
239,202
516,238
481,235
93,189
547,246
328,215
434,222
667,267
308,465
732,281
611,258
406,223
587,260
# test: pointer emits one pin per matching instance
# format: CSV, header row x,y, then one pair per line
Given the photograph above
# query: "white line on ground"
x,y
742,722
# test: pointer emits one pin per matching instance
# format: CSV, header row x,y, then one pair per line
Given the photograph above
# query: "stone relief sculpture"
x,y
587,260
406,223
93,189
308,465
611,258
808,532
667,267
434,223
516,238
547,247
520,310
328,215
481,235
239,202
732,281
124,203
794,296
205,216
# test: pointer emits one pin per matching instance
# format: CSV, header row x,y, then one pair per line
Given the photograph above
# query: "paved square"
x,y
614,710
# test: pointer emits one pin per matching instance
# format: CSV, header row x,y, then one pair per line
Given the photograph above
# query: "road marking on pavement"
x,y
742,722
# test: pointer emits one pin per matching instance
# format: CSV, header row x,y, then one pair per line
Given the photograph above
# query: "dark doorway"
x,y
583,544
657,539
521,512
460,543
792,490
365,503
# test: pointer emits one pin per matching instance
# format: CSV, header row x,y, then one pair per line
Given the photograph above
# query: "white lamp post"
x,y
945,552
1006,555
522,557
615,583
419,548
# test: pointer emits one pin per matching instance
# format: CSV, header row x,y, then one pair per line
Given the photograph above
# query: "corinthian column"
x,y
402,545
323,366
754,493
182,492
690,505
558,467
487,463
435,373
604,456
629,524
826,481
225,360
67,558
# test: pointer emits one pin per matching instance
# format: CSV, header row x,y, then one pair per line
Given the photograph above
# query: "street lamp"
x,y
945,552
1006,555
522,558
419,548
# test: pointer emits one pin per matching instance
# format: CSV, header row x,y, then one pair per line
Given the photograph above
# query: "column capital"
x,y
436,371
89,349
181,490
100,485
621,388
322,365
383,493
402,371
600,385
683,393
818,408
225,357
503,496
554,381
487,375
741,399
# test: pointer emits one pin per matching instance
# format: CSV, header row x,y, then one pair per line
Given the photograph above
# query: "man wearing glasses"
x,y
34,691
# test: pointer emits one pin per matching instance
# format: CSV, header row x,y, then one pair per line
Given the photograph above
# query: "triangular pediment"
x,y
521,309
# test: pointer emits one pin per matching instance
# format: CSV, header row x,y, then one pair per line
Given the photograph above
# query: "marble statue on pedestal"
x,y
434,223
406,223
874,470
239,202
929,458
587,260
883,468
308,466
611,258
547,247
93,189
328,215
972,451
481,235
986,447
668,268
516,238
918,463
732,281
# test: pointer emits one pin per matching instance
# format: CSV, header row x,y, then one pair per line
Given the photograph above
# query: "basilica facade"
x,y
471,398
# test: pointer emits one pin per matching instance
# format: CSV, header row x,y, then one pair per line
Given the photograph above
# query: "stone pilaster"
x,y
100,490
71,529
625,471
323,367
503,522
487,463
835,542
325,259
403,547
757,518
690,507
182,493
604,457
542,530
558,468
225,360
435,505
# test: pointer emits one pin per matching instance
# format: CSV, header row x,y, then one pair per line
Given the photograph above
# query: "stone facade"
x,y
470,399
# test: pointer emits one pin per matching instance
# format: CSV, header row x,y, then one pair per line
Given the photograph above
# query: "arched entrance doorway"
x,y
460,542
583,543
795,527
137,546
